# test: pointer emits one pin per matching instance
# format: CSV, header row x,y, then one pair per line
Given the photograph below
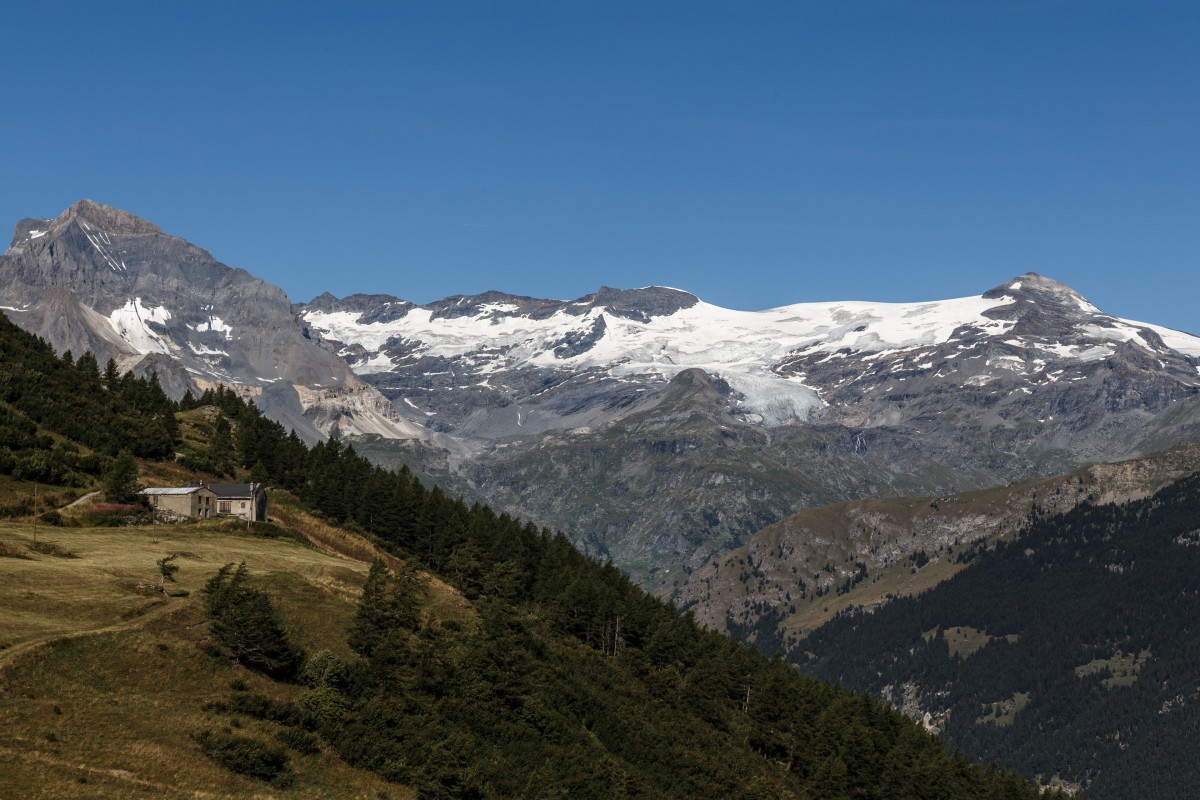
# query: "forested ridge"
x,y
573,682
1088,646
89,408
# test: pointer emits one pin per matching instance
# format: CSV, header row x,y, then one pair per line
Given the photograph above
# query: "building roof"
x,y
171,490
232,491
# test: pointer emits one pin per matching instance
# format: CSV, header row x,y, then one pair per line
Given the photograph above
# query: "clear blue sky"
x,y
755,153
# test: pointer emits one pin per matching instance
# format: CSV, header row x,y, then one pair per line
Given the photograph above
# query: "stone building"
x,y
185,501
245,500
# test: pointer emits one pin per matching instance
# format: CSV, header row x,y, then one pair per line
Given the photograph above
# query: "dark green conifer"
x,y
121,479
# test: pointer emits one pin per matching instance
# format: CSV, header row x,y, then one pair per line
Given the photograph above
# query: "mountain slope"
x,y
584,415
795,574
495,661
1070,651
102,280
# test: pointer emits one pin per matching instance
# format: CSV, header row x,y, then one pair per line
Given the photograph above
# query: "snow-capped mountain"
x,y
658,428
525,361
652,427
100,279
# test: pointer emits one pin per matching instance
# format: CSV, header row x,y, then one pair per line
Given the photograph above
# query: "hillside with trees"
x,y
1071,651
556,676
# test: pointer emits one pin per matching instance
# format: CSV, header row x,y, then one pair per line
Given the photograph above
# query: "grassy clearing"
x,y
102,684
1004,712
48,597
964,641
1122,668
897,580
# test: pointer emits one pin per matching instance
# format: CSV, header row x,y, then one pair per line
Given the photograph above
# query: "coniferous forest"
x,y
574,682
1088,646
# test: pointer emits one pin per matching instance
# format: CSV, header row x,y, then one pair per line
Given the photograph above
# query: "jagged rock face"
x,y
100,279
578,415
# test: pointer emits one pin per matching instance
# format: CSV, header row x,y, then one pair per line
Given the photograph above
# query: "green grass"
x,y
1003,713
1122,668
964,641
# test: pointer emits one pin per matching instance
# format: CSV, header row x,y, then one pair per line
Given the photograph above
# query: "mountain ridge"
x,y
99,279
570,412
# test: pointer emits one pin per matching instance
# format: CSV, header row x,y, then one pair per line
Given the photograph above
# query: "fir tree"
x,y
244,620
121,479
390,603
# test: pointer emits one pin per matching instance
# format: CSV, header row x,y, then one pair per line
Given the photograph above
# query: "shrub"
x,y
247,756
21,507
260,706
326,707
302,742
323,668
52,549
114,515
11,551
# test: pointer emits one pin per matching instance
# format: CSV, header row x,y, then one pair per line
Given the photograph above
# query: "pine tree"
x,y
390,603
121,479
244,620
221,446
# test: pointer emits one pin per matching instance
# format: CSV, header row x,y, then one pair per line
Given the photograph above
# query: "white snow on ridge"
x,y
701,335
215,324
1182,342
130,323
739,346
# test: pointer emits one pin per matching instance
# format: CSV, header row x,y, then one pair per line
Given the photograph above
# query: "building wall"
x,y
200,503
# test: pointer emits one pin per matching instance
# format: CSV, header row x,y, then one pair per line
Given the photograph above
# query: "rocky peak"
x,y
109,219
85,219
1038,290
642,304
1044,308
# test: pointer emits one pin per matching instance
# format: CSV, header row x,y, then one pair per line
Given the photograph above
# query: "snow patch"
x,y
131,322
215,323
202,350
380,362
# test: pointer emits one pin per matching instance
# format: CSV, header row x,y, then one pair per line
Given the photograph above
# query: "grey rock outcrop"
x,y
100,279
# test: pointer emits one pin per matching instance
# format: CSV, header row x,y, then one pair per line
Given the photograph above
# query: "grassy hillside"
x,y
102,684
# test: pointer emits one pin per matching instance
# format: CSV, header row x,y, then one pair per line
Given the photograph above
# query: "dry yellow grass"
x,y
46,597
102,683
443,601
112,716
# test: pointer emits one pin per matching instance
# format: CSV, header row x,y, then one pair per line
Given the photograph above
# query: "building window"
x,y
224,507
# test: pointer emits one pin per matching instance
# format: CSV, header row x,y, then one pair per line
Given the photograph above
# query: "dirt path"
x,y
80,501
168,606
119,776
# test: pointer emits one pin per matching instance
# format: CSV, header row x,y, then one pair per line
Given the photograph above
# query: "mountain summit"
x,y
101,279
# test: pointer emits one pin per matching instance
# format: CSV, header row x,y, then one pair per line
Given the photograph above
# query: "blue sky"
x,y
754,153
